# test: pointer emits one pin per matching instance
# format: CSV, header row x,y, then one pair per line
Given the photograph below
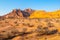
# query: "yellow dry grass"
x,y
44,14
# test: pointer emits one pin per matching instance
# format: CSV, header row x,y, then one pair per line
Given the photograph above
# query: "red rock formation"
x,y
29,10
17,13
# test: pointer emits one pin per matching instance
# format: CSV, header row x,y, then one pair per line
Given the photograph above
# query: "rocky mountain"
x,y
17,13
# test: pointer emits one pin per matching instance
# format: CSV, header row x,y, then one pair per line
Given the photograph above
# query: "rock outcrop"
x,y
17,13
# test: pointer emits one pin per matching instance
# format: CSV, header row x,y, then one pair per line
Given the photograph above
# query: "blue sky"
x,y
8,5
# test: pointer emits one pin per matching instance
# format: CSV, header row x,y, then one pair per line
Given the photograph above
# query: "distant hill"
x,y
44,14
29,13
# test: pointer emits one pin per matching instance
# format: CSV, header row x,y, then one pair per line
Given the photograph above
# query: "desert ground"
x,y
30,29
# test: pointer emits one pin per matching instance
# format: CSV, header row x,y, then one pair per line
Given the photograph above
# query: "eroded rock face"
x,y
27,29
17,13
29,10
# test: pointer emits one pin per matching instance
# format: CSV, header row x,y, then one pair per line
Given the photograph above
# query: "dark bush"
x,y
50,24
30,25
39,28
51,32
